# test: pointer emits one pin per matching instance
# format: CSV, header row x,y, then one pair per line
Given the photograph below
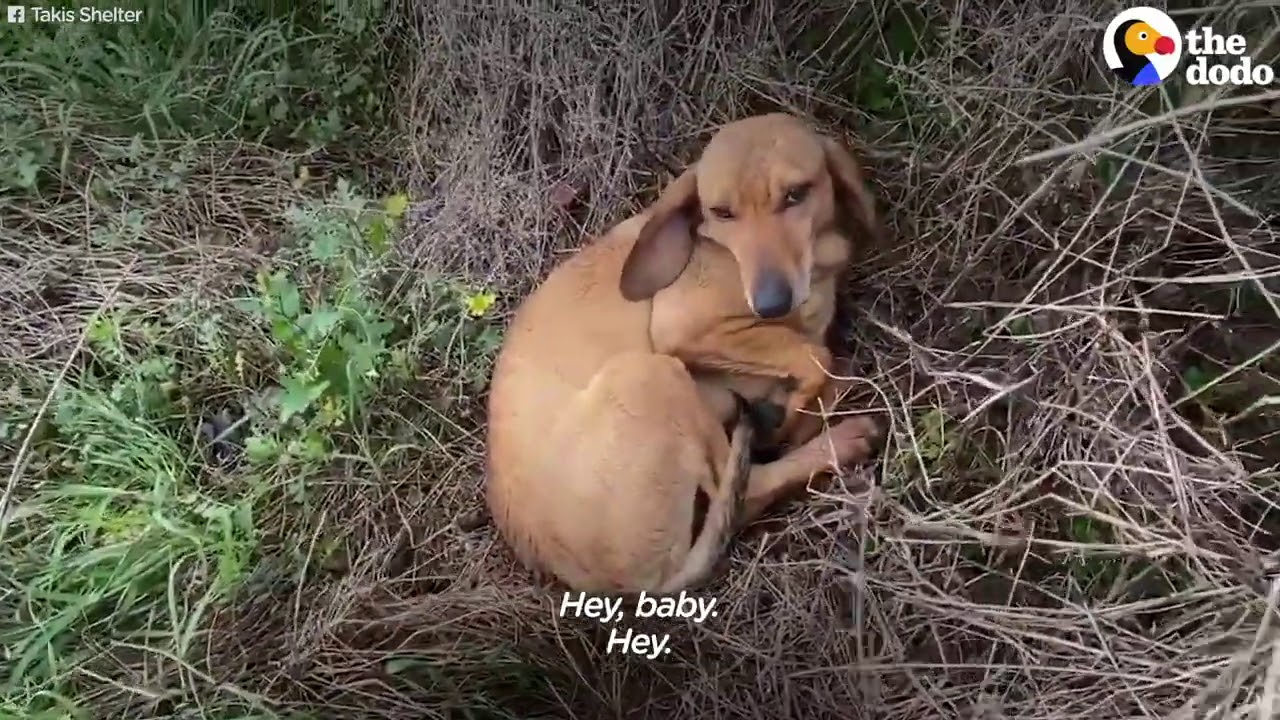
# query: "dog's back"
x,y
561,336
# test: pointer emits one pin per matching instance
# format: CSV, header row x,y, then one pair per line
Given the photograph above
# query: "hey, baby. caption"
x,y
608,610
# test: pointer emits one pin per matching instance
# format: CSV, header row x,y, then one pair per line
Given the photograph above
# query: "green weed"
x,y
1089,569
934,442
340,336
1020,328
863,52
905,33
1219,392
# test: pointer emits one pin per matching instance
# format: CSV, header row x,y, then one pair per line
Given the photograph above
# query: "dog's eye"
x,y
722,212
796,194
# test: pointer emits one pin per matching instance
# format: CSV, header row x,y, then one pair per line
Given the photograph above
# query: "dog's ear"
x,y
665,243
850,184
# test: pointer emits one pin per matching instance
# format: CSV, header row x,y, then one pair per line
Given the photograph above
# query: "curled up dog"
x,y
601,438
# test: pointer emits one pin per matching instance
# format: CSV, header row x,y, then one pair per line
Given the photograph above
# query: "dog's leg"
x,y
630,453
716,395
773,351
809,424
763,393
850,441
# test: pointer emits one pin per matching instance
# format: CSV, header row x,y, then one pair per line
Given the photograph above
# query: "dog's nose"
x,y
771,296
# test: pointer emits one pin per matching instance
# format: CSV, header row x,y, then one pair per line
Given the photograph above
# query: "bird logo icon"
x,y
1142,46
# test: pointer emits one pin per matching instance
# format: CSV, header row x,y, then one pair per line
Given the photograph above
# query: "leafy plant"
x,y
332,339
339,331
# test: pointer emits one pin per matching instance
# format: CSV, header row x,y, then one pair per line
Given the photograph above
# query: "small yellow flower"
x,y
396,205
330,413
479,303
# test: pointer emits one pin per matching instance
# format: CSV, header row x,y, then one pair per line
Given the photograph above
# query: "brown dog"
x,y
599,436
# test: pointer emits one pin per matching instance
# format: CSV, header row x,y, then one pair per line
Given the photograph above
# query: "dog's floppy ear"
x,y
849,182
665,243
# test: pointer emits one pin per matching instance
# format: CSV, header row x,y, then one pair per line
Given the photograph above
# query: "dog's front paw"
x,y
853,440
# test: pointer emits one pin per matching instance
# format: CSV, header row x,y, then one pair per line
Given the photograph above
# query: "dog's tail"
x,y
724,511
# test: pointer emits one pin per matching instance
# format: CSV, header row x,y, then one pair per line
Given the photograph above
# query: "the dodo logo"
x,y
1142,45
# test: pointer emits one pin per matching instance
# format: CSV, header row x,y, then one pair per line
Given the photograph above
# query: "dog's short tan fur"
x,y
599,435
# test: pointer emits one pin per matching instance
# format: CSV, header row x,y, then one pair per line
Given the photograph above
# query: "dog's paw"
x,y
853,440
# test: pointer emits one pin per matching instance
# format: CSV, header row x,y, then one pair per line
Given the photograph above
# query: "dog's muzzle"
x,y
771,296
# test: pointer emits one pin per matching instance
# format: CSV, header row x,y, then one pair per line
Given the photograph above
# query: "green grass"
x,y
150,492
206,70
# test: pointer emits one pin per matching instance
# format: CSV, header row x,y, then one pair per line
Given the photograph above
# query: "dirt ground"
x,y
1072,336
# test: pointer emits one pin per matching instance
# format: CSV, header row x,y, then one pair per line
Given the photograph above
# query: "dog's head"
x,y
764,188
